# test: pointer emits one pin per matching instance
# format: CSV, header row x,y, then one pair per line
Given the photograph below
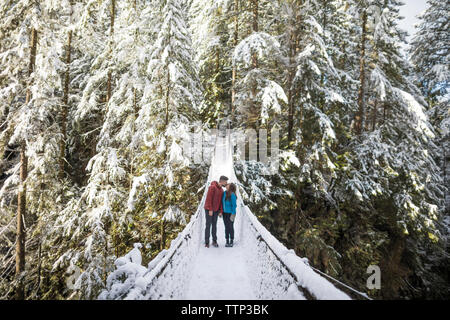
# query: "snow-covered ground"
x,y
220,273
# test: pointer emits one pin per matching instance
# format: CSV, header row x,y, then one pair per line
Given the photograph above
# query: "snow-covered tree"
x,y
388,157
31,102
430,56
211,35
258,95
165,120
101,208
430,51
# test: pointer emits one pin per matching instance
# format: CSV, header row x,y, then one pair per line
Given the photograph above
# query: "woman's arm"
x,y
233,203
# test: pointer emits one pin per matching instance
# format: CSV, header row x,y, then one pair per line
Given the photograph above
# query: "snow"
x,y
257,267
417,111
130,267
259,43
220,273
174,214
137,181
271,95
134,255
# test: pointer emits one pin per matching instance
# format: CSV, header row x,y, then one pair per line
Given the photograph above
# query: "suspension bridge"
x,y
257,267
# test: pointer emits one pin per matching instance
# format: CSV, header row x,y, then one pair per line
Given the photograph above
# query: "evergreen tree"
x,y
37,128
388,158
430,49
211,34
164,122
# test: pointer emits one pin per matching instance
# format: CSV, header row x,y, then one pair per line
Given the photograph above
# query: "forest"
x,y
97,95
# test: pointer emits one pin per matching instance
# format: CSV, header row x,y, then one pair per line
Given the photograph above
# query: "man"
x,y
213,208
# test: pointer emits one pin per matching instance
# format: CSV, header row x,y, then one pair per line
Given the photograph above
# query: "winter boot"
x,y
207,245
228,243
215,244
231,243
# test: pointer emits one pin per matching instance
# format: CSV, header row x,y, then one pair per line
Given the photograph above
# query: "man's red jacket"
x,y
214,197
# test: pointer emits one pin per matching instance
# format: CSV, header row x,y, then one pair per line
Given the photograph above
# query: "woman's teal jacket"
x,y
229,206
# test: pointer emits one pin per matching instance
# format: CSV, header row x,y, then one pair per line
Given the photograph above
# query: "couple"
x,y
217,204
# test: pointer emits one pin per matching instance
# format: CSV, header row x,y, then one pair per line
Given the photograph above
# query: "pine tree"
x,y
430,50
33,129
164,122
101,207
429,53
316,115
388,157
210,34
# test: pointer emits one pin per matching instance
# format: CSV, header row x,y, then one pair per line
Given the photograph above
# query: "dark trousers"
x,y
229,226
211,223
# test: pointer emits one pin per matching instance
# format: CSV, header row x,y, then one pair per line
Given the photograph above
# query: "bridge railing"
x,y
279,272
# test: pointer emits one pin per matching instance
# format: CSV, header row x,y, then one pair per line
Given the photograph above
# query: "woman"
x,y
229,212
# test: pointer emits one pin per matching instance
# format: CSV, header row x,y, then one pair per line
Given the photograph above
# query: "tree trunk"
x,y
21,198
368,119
235,42
252,114
291,75
374,115
21,211
167,92
113,12
255,29
255,112
217,78
62,145
362,76
39,269
295,224
255,15
167,99
163,235
135,107
134,89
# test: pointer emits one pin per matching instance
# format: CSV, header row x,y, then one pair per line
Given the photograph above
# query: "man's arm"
x,y
221,203
209,198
